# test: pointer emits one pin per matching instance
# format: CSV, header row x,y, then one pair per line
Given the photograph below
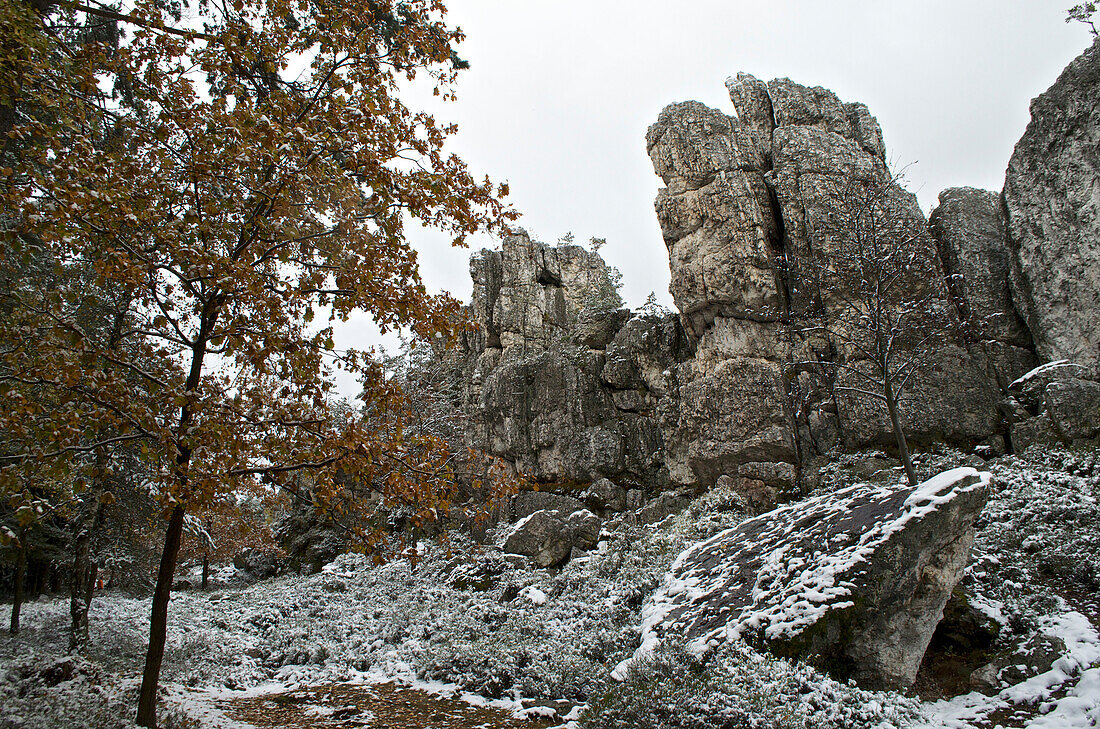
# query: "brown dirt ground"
x,y
377,706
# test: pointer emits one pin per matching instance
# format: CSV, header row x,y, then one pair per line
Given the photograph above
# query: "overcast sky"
x,y
559,95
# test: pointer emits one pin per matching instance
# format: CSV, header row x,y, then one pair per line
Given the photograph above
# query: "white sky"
x,y
559,96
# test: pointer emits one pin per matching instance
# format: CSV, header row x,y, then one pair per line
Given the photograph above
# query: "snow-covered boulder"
x,y
854,581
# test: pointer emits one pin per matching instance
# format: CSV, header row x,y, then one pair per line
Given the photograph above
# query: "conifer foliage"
x,y
221,177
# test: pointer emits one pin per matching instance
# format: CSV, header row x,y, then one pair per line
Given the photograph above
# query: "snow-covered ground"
x,y
468,620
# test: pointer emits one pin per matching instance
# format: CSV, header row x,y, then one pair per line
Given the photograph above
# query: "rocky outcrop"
x,y
1053,213
1055,404
745,198
569,387
969,228
527,294
855,581
556,378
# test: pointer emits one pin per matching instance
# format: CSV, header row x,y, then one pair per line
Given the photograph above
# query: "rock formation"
x,y
745,197
557,378
1052,201
1055,404
561,381
866,606
969,228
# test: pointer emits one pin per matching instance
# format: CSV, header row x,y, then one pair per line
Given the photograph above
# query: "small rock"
x,y
334,584
780,475
526,503
758,496
606,496
584,528
664,506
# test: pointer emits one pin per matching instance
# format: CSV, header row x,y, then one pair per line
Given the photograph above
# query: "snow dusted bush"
x,y
736,687
47,692
1046,515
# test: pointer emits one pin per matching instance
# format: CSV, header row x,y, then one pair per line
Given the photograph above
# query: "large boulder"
x,y
854,581
1054,404
549,536
542,536
1053,216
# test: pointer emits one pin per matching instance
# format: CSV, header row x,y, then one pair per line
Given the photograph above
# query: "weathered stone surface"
x,y
1030,387
759,497
662,507
310,540
595,329
780,475
526,503
555,379
548,413
583,528
855,581
729,414
733,218
606,496
1074,408
954,400
969,229
715,215
1054,404
257,563
1053,215
542,536
549,536
1036,430
795,105
528,293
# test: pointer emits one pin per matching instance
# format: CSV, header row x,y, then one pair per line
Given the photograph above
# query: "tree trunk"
x,y
205,569
158,621
899,434
17,598
82,580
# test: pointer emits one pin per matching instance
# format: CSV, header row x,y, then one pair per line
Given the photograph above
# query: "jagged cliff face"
x,y
562,382
744,194
1052,201
557,378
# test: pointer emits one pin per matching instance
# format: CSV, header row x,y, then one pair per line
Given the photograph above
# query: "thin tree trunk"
x,y
20,576
899,434
82,580
158,621
205,569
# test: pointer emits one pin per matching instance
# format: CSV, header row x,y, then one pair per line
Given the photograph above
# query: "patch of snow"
x,y
1057,364
534,594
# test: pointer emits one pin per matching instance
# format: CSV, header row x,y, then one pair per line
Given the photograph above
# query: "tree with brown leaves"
x,y
239,172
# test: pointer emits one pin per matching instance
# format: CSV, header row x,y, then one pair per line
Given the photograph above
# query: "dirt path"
x,y
377,706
